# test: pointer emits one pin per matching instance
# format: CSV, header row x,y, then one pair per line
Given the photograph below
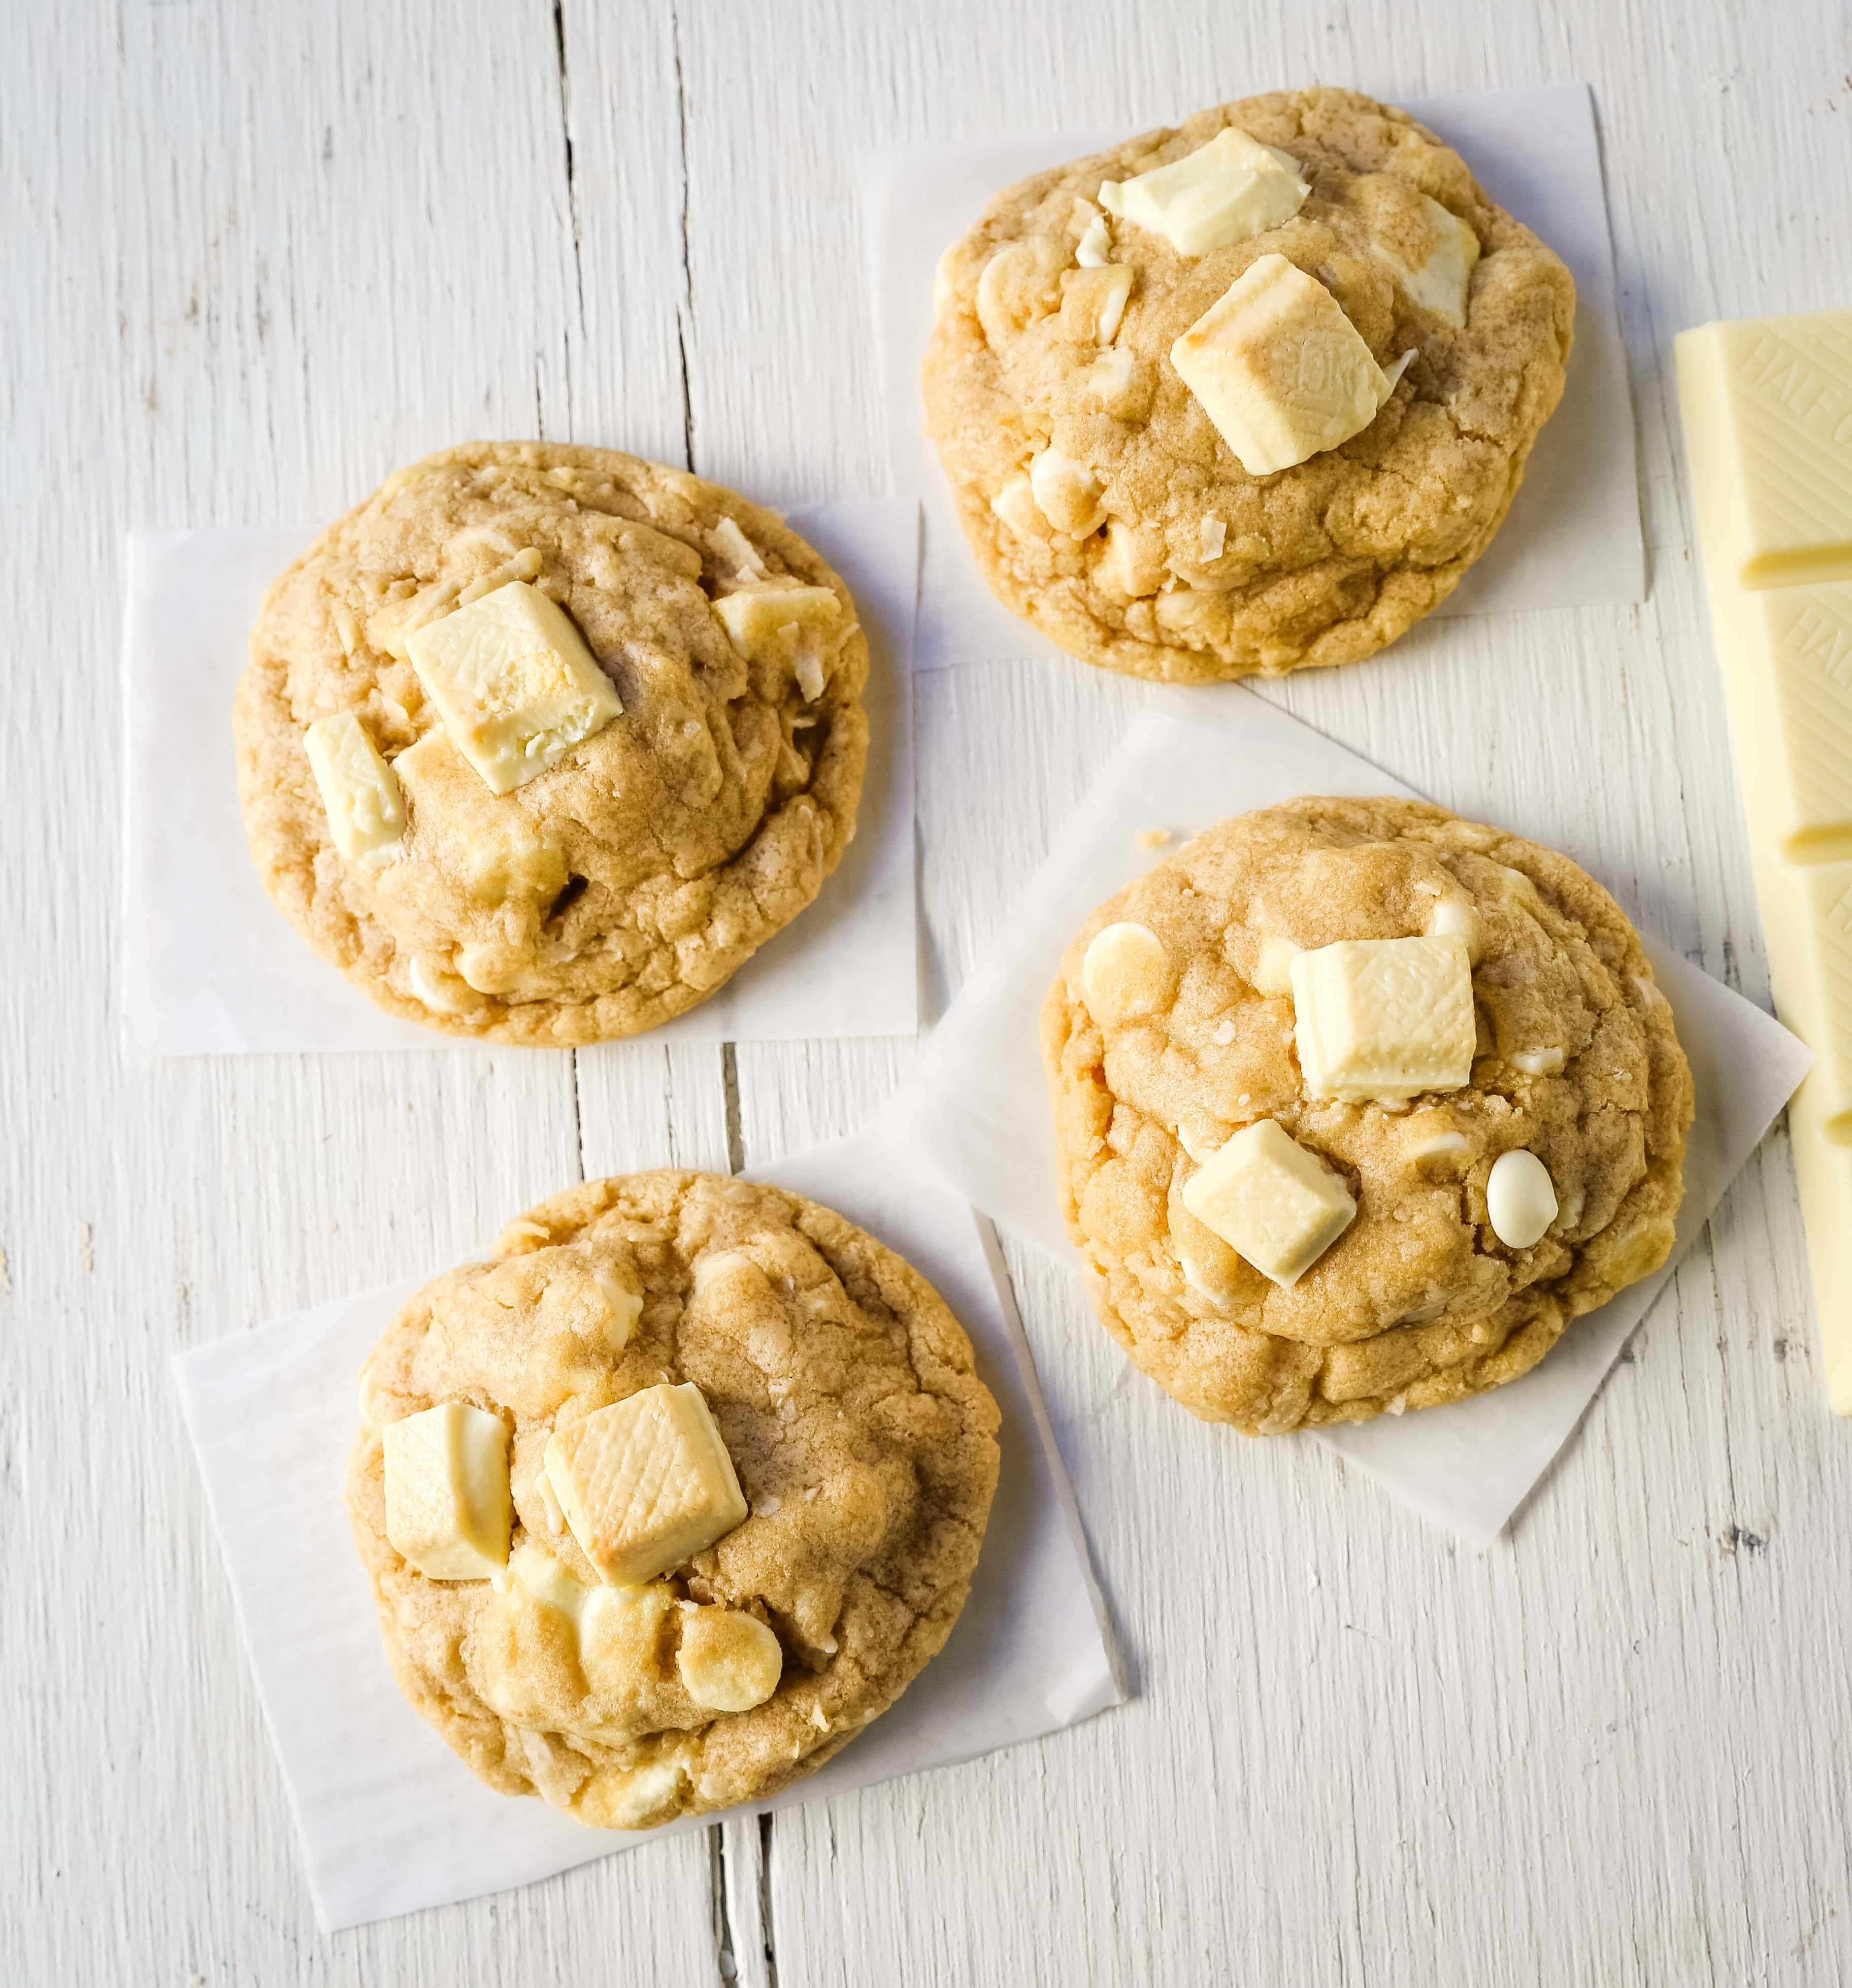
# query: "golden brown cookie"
x,y
1114,394
666,1501
542,743
1358,1105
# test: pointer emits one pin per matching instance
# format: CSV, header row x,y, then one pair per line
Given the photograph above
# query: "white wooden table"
x,y
255,256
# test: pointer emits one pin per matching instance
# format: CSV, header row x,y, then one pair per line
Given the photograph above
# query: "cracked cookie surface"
x,y
631,879
1185,568
864,1442
1418,1301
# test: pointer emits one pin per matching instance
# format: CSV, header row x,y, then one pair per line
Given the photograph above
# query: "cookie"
x,y
663,1504
541,743
1358,1106
1246,396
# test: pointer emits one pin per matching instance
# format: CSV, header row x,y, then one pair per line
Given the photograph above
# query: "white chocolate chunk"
x,y
1110,192
447,1508
1435,1151
1538,1062
1211,535
514,683
440,990
1125,972
526,564
728,542
1114,294
1439,282
771,623
1455,917
1271,1201
617,1308
361,792
718,1263
1134,562
646,1484
1019,284
1066,493
1520,1199
729,1661
1016,505
1095,248
1273,970
646,1791
1279,368
1380,1020
1113,380
540,1577
1223,192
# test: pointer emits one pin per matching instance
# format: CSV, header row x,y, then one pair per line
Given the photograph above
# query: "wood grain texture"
x,y
256,256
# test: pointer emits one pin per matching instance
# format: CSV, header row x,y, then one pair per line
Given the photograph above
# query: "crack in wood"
x,y
685,306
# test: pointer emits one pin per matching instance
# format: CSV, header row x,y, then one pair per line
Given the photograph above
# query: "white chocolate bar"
x,y
1767,408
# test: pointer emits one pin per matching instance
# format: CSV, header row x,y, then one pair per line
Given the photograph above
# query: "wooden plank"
x,y
258,258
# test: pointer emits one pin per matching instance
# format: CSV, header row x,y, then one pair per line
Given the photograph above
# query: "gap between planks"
x,y
740,1849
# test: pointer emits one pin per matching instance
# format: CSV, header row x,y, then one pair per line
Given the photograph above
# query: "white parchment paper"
x,y
390,1820
977,1107
211,968
1572,538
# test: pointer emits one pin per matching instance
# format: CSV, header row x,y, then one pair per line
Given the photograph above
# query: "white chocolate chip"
x,y
729,1661
1125,972
1110,196
1211,535
1520,1199
1224,1032
442,992
1094,251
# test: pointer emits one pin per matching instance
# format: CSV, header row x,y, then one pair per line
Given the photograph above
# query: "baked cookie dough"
x,y
665,1503
1358,1105
542,743
1245,396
